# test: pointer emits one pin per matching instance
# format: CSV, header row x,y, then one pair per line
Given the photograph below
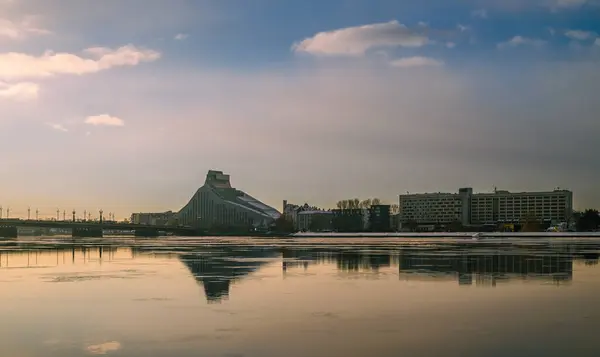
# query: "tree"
x,y
375,202
588,220
394,209
283,225
366,203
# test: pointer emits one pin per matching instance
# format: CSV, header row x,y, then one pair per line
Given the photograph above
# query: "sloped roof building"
x,y
217,203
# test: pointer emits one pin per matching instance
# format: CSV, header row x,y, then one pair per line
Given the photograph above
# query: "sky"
x,y
125,105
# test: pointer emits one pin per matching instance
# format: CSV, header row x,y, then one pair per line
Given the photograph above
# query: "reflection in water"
x,y
217,266
297,298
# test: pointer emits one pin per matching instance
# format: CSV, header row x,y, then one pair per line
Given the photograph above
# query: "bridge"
x,y
9,228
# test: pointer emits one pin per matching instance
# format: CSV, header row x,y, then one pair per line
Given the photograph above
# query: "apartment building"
x,y
481,208
436,208
505,206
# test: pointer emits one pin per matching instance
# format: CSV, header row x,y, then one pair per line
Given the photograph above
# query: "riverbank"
x,y
448,235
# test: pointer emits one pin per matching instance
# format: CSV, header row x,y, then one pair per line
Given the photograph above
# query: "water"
x,y
304,297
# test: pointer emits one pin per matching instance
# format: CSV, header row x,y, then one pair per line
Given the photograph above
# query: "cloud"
x,y
580,35
423,24
522,41
21,91
480,13
58,127
20,65
462,28
19,30
104,119
552,31
181,36
450,44
416,61
567,3
356,41
104,348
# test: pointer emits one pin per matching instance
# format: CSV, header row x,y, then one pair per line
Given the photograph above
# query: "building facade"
x,y
350,220
486,208
153,219
435,208
218,204
315,221
514,207
379,218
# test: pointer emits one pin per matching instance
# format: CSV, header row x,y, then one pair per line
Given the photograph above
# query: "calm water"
x,y
310,297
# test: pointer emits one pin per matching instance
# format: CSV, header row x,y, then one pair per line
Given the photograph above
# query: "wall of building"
x,y
217,204
503,206
315,221
480,208
153,219
207,209
432,208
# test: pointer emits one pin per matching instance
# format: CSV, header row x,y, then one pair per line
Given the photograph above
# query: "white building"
x,y
218,204
481,208
292,212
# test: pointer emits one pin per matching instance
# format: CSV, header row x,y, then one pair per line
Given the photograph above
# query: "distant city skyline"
x,y
307,101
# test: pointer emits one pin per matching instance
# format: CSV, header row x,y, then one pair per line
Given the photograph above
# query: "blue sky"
x,y
125,105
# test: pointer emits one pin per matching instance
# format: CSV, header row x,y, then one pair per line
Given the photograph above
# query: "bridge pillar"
x,y
87,232
146,232
8,232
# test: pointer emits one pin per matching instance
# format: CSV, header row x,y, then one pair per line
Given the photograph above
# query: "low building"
x,y
217,205
379,218
292,211
350,220
153,219
315,221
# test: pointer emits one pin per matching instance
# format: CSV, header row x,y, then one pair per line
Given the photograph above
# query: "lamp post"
x,y
101,216
28,213
73,215
37,214
84,214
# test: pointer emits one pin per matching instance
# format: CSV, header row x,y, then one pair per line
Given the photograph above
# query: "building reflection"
x,y
486,270
217,268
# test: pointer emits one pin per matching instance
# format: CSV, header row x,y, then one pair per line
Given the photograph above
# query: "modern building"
x,y
218,204
504,206
153,219
468,208
435,208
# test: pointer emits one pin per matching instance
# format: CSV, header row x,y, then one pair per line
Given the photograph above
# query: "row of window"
x,y
205,210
